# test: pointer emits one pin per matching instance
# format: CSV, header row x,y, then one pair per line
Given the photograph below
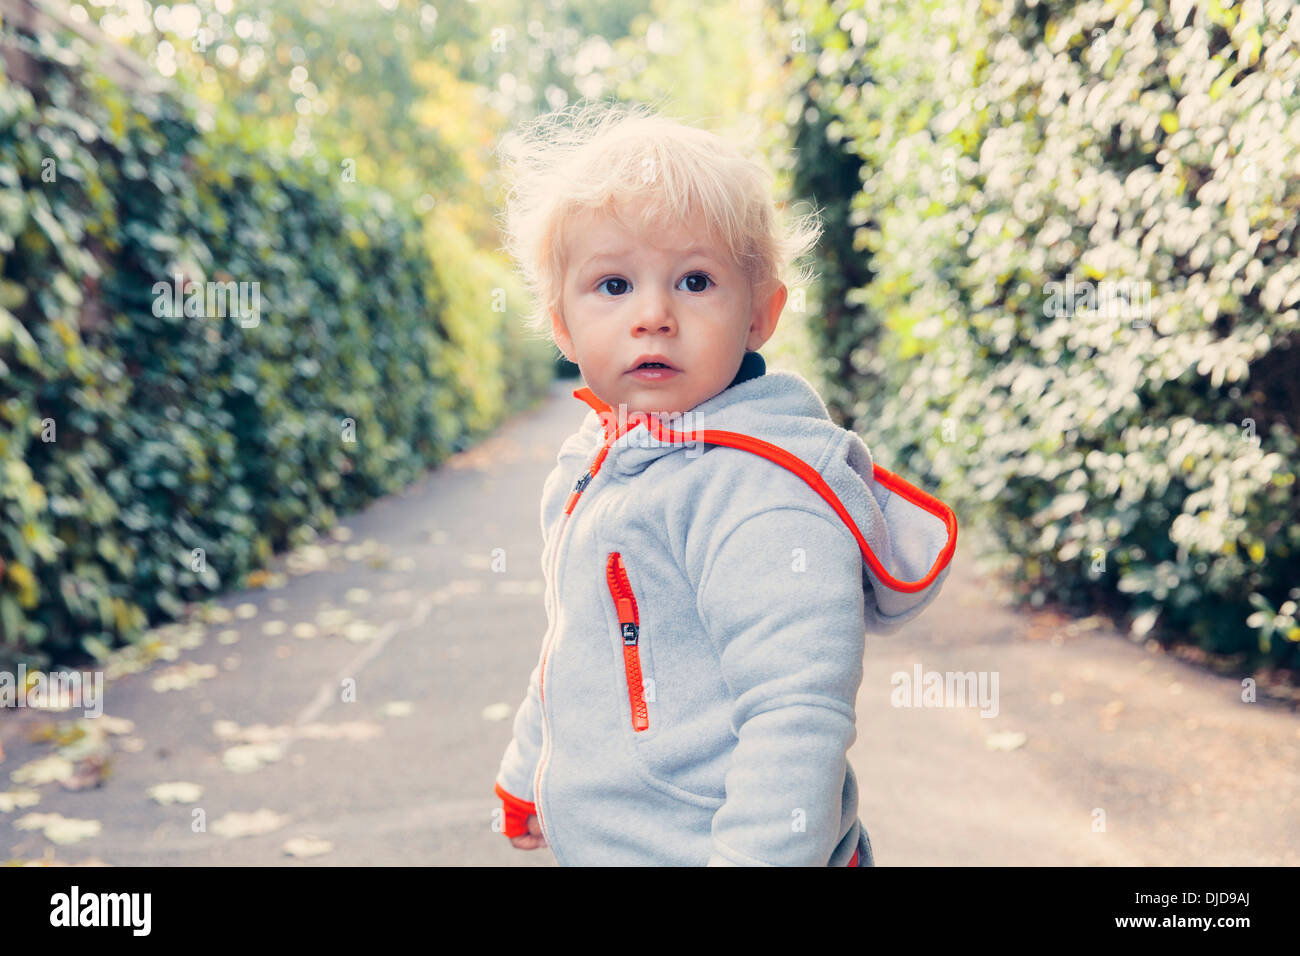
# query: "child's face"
x,y
673,293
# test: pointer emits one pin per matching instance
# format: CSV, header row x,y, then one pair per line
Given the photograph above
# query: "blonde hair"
x,y
608,156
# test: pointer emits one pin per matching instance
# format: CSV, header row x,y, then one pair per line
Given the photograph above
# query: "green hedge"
x,y
1140,459
226,434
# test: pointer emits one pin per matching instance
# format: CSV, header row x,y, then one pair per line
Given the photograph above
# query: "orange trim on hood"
x,y
588,396
601,408
794,463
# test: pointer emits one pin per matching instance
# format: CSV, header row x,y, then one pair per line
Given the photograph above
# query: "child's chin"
x,y
640,403
663,400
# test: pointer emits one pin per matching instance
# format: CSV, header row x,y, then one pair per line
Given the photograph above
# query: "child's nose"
x,y
656,316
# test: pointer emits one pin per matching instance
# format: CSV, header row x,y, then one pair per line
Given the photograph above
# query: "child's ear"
x,y
767,310
560,333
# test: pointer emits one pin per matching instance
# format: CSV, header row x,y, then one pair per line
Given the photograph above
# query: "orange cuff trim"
x,y
517,811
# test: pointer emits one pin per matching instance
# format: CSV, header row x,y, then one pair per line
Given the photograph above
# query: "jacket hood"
x,y
907,537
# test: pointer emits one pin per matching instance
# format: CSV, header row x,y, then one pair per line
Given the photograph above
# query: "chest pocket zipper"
x,y
629,622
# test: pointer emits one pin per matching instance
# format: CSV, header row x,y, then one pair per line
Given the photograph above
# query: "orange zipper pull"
x,y
629,621
578,490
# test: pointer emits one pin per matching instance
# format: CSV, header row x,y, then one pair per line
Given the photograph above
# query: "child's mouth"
x,y
653,372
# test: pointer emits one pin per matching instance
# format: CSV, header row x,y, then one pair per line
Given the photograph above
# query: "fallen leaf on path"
x,y
256,579
359,631
83,738
1005,740
305,846
115,725
245,758
237,824
212,614
267,736
1143,622
43,770
177,791
183,676
1089,623
58,828
306,559
11,800
333,621
252,734
184,635
496,711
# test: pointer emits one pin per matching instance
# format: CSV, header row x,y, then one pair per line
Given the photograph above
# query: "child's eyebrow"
x,y
619,253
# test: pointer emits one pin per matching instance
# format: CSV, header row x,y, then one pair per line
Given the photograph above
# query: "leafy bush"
x,y
132,435
1016,158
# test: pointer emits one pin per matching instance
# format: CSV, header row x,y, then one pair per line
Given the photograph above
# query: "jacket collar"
x,y
780,416
775,406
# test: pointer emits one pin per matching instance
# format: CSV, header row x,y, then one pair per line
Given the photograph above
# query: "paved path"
x,y
438,647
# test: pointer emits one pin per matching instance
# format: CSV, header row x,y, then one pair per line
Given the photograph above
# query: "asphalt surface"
x,y
387,725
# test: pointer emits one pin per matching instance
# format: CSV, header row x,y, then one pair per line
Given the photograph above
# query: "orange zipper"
x,y
629,622
611,435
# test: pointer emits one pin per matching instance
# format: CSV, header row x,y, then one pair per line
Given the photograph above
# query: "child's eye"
x,y
698,275
704,277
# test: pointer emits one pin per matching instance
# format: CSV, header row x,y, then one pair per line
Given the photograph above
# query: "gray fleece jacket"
x,y
707,605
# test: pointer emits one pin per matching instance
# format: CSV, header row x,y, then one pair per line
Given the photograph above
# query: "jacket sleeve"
x,y
514,780
781,597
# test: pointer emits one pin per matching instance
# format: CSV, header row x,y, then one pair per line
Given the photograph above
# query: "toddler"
x,y
715,547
